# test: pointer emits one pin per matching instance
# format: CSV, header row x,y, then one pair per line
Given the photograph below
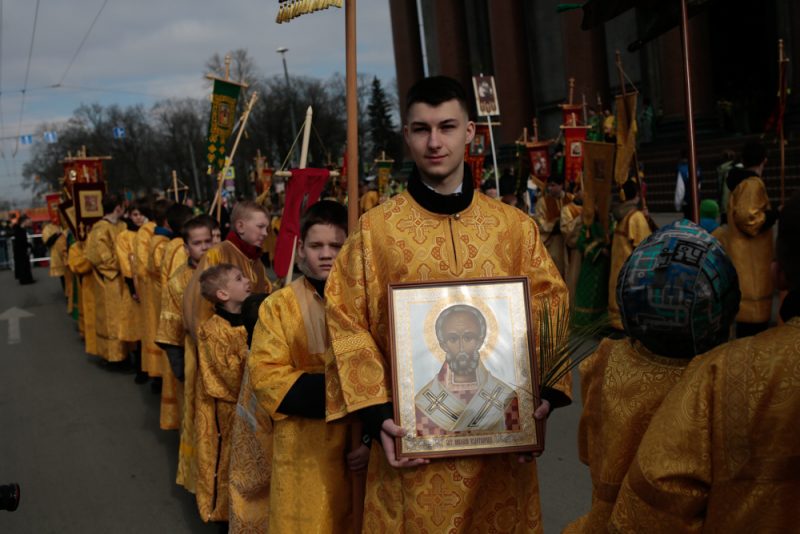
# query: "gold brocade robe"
x,y
143,282
222,350
547,214
131,311
622,386
399,241
174,255
251,464
57,251
310,489
101,251
170,331
751,249
369,201
631,229
571,226
154,360
80,265
721,454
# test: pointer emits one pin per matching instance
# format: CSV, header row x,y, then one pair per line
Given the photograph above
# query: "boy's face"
x,y
237,289
137,217
436,137
320,248
199,241
253,228
216,236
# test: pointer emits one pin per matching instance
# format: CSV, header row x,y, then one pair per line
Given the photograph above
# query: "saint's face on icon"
x,y
461,337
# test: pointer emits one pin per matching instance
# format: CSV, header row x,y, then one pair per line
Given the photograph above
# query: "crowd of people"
x,y
283,396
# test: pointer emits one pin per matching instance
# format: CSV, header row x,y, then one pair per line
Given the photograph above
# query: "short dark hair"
x,y
143,205
753,153
215,278
208,219
177,215
110,202
160,208
435,91
630,189
327,212
201,221
787,252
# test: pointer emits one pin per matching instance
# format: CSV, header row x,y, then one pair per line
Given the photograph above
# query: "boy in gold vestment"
x,y
171,335
748,239
721,453
439,228
680,305
286,366
101,251
221,349
631,229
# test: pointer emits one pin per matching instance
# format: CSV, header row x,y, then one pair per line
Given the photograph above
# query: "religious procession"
x,y
564,296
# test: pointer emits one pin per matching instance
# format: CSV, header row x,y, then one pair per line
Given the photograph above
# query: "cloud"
x,y
159,48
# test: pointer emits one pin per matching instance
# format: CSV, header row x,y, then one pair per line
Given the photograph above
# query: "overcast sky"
x,y
157,49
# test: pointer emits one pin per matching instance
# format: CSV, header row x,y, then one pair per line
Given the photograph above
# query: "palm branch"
x,y
562,346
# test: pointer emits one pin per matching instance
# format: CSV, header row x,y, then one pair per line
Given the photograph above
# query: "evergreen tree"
x,y
382,133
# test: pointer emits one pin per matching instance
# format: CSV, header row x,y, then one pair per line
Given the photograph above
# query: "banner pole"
x,y
494,156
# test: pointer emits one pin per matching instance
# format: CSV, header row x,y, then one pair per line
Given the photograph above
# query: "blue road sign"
x,y
26,139
119,132
51,137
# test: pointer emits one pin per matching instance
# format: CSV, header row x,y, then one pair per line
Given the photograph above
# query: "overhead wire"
x,y
80,46
2,121
27,74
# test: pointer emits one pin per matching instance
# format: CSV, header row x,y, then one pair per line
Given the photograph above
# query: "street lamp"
x,y
282,51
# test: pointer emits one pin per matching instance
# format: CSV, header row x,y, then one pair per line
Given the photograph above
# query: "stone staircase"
x,y
660,161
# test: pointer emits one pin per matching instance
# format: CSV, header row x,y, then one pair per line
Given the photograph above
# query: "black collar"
x,y
791,305
318,285
441,204
234,319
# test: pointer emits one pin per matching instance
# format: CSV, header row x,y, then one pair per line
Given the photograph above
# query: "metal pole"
x,y
352,115
689,113
200,194
282,51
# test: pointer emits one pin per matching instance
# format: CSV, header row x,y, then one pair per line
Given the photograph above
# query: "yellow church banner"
x,y
626,136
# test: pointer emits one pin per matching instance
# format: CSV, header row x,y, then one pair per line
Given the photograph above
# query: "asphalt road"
x,y
83,440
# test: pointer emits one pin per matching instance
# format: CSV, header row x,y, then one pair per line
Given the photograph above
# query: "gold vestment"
x,y
131,311
80,265
57,251
751,250
399,241
101,251
310,488
622,386
547,214
571,226
222,350
721,453
143,282
631,229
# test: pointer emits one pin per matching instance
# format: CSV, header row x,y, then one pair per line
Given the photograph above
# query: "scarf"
x,y
251,251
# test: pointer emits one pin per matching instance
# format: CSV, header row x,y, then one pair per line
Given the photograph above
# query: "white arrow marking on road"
x,y
13,315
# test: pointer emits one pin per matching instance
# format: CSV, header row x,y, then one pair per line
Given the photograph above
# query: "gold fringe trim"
x,y
291,9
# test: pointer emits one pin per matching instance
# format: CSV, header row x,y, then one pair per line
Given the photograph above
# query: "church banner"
x,y
220,124
598,172
626,136
574,137
446,334
291,9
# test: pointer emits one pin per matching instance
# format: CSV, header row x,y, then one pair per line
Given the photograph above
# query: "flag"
x,y
598,170
574,138
220,124
626,136
303,189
